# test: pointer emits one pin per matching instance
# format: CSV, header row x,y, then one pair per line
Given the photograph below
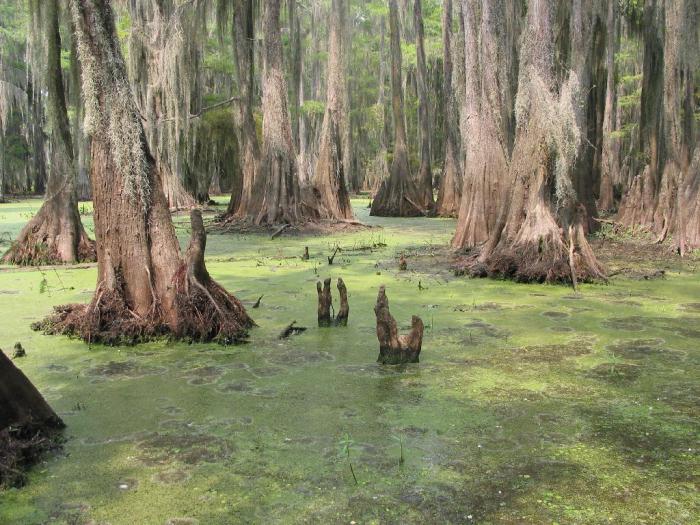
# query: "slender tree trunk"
x,y
485,118
55,234
399,195
329,179
145,287
425,175
242,203
450,192
606,198
296,60
540,233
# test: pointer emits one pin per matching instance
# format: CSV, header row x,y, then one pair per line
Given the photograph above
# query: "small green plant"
x,y
346,445
399,440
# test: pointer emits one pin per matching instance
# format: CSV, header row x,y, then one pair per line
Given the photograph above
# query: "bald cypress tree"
x,y
145,286
55,234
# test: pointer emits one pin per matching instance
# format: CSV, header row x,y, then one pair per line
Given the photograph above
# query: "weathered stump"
x,y
28,425
342,318
325,304
395,349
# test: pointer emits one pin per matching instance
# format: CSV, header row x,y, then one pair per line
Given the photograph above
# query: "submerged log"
x,y
395,349
292,329
28,425
325,304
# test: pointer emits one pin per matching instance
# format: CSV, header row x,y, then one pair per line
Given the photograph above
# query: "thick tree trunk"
x,y
395,349
540,234
485,123
145,288
398,196
645,185
450,191
425,175
276,197
55,234
663,197
28,425
606,201
330,179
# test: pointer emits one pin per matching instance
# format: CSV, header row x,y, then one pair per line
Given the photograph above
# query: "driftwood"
x,y
28,425
291,329
325,304
395,349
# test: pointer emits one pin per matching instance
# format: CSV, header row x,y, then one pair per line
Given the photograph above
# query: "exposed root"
x,y
202,310
20,448
48,240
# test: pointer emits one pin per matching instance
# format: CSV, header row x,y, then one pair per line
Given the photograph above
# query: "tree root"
x,y
201,309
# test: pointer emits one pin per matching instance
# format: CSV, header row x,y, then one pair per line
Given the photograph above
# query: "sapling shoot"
x,y
345,446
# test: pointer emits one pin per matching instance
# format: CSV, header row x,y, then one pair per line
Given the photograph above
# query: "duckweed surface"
x,y
531,404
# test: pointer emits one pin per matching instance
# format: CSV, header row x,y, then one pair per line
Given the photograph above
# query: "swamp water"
x,y
531,404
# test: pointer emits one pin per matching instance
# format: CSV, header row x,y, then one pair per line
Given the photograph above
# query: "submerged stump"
x,y
395,349
28,425
325,304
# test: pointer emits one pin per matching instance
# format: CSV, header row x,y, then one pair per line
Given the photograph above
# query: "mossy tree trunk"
x,y
662,198
399,195
486,114
55,234
330,176
145,287
277,196
539,235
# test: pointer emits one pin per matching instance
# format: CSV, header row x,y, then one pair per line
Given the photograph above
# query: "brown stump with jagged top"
x,y
28,425
395,349
325,304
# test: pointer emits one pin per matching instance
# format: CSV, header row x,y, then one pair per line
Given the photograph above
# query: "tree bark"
x,y
662,198
277,197
55,234
330,176
28,425
606,200
242,203
485,123
145,287
425,175
450,191
395,349
398,196
540,233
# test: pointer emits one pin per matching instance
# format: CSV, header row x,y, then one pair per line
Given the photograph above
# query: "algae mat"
x,y
531,404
